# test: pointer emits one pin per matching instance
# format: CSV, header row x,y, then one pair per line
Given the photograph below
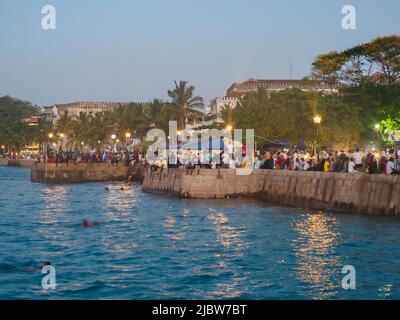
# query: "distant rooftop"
x,y
239,89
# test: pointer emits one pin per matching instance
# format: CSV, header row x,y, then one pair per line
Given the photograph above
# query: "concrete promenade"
x,y
342,192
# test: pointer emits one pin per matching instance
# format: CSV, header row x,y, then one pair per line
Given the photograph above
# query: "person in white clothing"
x,y
351,165
390,166
358,158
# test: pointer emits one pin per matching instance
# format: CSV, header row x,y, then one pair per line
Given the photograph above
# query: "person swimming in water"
x,y
87,224
46,263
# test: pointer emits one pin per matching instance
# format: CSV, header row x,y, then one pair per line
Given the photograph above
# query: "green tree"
x,y
185,102
14,134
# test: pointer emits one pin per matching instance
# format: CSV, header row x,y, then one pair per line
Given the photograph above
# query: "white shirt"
x,y
351,166
389,167
232,164
358,157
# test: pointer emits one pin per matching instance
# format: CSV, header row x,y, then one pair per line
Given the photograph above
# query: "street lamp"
x,y
317,121
179,135
62,139
377,127
229,128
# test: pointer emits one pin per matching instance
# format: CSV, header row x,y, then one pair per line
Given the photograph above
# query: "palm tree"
x,y
80,130
184,102
227,114
154,112
63,124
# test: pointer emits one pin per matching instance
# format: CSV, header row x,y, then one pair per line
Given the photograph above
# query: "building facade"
x,y
75,108
238,90
217,104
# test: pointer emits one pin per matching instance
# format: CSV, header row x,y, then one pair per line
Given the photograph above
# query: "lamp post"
x,y
62,139
317,121
377,128
51,135
113,137
179,135
128,136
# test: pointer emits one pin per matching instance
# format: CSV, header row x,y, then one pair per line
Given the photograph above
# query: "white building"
x,y
75,108
238,90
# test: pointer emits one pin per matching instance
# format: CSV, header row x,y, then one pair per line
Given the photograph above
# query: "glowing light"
x,y
50,135
229,128
179,132
62,135
113,136
128,135
377,126
317,119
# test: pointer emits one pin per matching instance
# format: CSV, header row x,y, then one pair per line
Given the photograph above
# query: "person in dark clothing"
x,y
268,162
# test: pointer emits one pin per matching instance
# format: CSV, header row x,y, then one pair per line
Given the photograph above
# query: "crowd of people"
x,y
358,160
76,156
387,162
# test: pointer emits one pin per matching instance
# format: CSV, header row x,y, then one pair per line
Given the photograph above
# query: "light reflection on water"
x,y
315,251
231,239
151,247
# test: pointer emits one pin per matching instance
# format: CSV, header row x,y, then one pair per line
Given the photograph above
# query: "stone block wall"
x,y
90,172
344,192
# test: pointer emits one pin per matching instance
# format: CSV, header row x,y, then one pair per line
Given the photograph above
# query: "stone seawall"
x,y
21,163
90,172
17,163
343,192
